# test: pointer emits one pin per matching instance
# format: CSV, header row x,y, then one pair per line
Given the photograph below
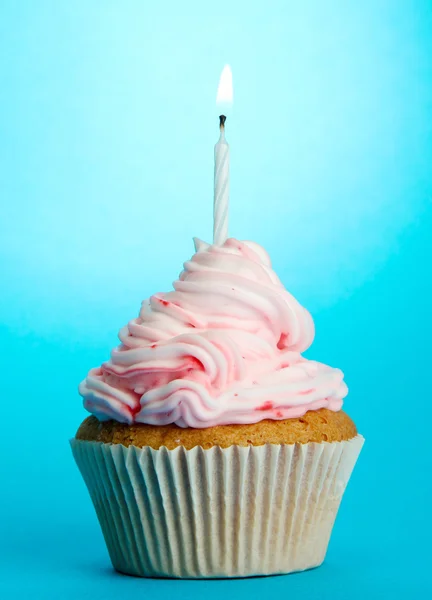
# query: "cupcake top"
x,y
223,347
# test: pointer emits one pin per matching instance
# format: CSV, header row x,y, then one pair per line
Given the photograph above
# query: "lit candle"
x,y
221,154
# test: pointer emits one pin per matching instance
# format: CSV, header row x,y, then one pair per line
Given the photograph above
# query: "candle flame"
x,y
224,96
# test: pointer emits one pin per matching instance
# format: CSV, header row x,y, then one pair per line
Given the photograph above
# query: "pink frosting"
x,y
223,347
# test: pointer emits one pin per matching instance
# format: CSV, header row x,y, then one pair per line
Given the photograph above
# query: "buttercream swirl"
x,y
223,347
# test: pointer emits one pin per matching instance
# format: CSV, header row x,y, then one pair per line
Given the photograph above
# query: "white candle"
x,y
221,154
221,188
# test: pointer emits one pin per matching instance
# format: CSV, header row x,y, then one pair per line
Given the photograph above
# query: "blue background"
x,y
107,127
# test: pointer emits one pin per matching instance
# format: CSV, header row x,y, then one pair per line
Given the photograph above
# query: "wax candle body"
x,y
221,190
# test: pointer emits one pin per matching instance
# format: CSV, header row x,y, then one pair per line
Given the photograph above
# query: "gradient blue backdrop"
x,y
107,126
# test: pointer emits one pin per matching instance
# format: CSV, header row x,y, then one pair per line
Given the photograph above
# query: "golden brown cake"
x,y
315,426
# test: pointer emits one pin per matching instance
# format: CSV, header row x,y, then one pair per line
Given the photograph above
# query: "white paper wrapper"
x,y
234,512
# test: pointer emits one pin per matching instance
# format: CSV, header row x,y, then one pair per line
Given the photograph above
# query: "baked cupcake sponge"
x,y
315,426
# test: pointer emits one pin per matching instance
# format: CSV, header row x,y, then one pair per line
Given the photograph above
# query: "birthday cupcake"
x,y
215,449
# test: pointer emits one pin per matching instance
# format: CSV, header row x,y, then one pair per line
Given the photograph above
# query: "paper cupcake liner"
x,y
234,512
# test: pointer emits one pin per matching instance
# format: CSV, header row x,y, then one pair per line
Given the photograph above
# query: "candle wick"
x,y
222,120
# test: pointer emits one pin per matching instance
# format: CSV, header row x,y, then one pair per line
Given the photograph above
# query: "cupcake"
x,y
215,449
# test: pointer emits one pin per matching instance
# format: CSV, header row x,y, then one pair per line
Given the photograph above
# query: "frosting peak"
x,y
222,347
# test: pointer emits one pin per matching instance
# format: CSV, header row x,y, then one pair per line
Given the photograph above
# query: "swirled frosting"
x,y
223,347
